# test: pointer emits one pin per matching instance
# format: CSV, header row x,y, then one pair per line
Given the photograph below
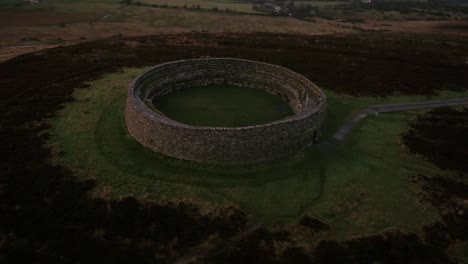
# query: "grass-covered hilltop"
x,y
76,187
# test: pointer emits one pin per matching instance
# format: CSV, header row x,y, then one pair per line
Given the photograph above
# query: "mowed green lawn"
x,y
358,186
223,106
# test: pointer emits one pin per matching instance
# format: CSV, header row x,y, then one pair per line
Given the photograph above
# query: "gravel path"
x,y
376,109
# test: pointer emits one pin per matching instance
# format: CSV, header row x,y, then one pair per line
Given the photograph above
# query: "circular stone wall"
x,y
224,145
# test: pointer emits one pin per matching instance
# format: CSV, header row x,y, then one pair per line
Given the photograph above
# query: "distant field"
x,y
218,21
205,4
54,14
75,21
10,3
320,3
233,6
64,22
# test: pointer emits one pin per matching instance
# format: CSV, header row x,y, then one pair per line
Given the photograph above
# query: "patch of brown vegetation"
x,y
47,216
459,28
441,137
392,246
450,197
10,52
44,17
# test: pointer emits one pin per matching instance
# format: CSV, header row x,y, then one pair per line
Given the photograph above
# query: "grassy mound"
x,y
347,185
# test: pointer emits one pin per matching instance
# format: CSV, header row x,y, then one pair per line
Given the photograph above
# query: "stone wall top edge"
x,y
316,90
141,107
171,122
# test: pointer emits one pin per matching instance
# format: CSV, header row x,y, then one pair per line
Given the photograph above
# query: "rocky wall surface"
x,y
223,145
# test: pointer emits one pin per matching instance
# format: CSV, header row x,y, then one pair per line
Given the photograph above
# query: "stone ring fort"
x,y
225,145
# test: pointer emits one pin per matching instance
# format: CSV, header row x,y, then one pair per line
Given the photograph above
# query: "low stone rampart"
x,y
225,145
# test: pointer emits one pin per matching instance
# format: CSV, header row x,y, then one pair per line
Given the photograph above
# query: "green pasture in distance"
x,y
11,3
320,3
64,7
83,1
360,185
221,5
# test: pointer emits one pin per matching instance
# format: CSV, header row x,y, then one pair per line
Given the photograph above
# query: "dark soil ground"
x,y
441,137
48,216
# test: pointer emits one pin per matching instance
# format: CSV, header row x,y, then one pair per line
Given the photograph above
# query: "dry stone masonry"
x,y
224,145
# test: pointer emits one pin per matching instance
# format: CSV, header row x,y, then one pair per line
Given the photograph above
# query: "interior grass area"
x,y
358,186
223,106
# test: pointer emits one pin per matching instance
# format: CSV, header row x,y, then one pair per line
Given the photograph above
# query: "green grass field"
x,y
320,3
205,4
227,106
11,3
358,186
